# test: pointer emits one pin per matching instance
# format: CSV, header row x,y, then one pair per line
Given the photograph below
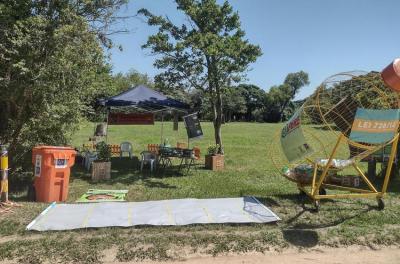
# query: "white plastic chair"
x,y
148,158
126,147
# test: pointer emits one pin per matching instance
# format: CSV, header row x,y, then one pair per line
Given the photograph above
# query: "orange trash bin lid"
x,y
391,75
58,152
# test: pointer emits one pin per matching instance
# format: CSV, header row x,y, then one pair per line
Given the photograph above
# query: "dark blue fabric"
x,y
145,97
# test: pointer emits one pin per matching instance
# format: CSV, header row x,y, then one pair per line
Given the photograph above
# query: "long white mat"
x,y
165,212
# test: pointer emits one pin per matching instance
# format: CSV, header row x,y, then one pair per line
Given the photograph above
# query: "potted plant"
x,y
213,160
101,167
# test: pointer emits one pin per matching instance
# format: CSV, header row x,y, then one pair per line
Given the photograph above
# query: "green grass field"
x,y
248,171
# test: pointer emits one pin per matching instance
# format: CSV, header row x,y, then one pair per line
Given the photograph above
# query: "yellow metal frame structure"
x,y
314,190
332,109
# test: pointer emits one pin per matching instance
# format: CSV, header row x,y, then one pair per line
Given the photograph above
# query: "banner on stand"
x,y
131,119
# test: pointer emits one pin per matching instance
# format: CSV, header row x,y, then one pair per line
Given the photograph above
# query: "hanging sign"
x,y
293,142
193,128
38,165
375,126
131,119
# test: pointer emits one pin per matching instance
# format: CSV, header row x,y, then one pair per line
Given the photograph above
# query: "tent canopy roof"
x,y
144,98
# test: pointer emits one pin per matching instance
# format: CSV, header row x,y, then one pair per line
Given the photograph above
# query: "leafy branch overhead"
x,y
52,67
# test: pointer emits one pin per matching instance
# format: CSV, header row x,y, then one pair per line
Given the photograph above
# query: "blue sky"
x,y
321,37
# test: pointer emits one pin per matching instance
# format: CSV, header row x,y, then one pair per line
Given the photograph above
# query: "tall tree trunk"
x,y
216,101
218,119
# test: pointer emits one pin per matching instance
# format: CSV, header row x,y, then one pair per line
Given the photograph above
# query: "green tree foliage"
x,y
122,82
279,98
51,67
234,103
254,97
209,52
367,90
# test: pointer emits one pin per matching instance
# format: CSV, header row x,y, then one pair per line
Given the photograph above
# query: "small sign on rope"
x,y
193,127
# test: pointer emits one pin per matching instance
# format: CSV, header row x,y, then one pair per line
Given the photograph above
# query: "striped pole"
x,y
4,174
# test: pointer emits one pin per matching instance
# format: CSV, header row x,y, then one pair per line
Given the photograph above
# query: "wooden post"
x,y
162,127
176,121
372,168
107,113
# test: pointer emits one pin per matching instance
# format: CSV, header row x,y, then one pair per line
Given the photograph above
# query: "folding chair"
x,y
191,161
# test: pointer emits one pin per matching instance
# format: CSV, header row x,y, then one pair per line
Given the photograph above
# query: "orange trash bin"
x,y
51,170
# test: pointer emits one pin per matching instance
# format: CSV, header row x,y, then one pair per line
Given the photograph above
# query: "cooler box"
x,y
51,170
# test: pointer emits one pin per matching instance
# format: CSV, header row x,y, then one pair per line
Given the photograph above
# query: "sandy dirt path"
x,y
320,256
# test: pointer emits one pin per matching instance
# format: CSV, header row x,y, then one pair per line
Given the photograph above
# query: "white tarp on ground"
x,y
165,212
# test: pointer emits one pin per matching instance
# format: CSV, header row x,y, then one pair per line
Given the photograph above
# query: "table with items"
x,y
166,154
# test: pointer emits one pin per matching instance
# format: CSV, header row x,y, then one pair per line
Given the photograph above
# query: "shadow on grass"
x,y
301,238
299,233
126,171
305,203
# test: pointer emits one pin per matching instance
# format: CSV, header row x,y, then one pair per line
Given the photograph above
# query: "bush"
x,y
103,152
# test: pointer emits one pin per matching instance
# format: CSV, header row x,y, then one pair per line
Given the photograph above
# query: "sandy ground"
x,y
320,256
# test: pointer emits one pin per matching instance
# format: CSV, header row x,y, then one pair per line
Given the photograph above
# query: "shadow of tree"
x,y
126,171
301,238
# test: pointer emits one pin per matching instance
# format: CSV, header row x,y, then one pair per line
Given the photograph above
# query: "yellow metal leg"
x,y
390,164
314,178
345,188
371,187
326,168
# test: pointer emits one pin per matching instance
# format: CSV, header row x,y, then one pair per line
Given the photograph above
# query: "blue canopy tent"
x,y
144,99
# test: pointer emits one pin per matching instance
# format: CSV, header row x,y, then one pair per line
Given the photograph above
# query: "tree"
x,y
254,97
208,52
52,65
280,97
234,103
133,78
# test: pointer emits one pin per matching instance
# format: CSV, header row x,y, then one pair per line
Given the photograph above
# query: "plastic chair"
x,y
148,158
126,147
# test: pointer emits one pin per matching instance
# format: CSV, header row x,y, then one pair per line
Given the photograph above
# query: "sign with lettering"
x,y
131,119
193,128
293,142
374,126
38,165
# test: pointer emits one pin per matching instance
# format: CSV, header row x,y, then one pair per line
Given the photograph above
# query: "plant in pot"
x,y
101,167
213,160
